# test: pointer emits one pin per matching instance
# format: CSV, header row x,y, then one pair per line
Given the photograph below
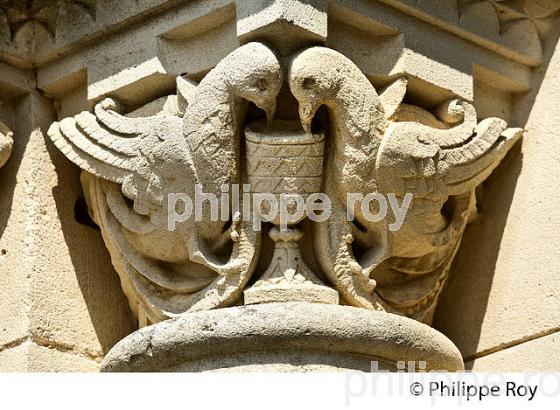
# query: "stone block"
x,y
538,355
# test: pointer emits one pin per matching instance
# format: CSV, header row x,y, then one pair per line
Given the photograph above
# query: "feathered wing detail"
x,y
149,158
380,145
159,289
134,164
128,151
434,163
440,168
409,282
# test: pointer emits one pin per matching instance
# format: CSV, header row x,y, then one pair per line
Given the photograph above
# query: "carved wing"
x,y
381,145
440,166
163,272
435,163
140,153
198,264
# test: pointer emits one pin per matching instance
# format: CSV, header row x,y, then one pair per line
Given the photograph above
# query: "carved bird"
x,y
434,162
151,157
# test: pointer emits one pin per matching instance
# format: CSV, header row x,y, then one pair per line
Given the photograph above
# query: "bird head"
x,y
256,75
315,79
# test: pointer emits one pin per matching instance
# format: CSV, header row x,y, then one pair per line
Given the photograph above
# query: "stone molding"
x,y
283,337
48,14
517,27
50,28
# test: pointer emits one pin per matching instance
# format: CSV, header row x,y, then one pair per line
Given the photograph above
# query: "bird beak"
x,y
306,114
270,111
268,108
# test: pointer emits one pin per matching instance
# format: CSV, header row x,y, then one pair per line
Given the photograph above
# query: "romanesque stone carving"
x,y
18,13
165,272
369,143
6,143
440,165
284,159
516,24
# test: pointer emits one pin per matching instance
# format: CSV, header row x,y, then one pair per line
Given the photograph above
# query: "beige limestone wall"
x,y
61,304
501,303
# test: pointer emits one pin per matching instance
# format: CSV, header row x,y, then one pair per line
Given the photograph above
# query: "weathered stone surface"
x,y
293,97
200,149
30,357
538,355
503,288
6,143
320,335
56,281
412,156
437,162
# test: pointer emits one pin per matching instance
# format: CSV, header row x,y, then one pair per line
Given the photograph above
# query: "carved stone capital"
x,y
345,140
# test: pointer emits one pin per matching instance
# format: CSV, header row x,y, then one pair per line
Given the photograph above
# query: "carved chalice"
x,y
286,162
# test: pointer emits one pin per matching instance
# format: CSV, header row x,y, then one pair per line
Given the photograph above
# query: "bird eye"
x,y
308,83
261,84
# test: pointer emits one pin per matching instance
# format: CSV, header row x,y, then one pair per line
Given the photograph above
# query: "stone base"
x,y
305,292
291,336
